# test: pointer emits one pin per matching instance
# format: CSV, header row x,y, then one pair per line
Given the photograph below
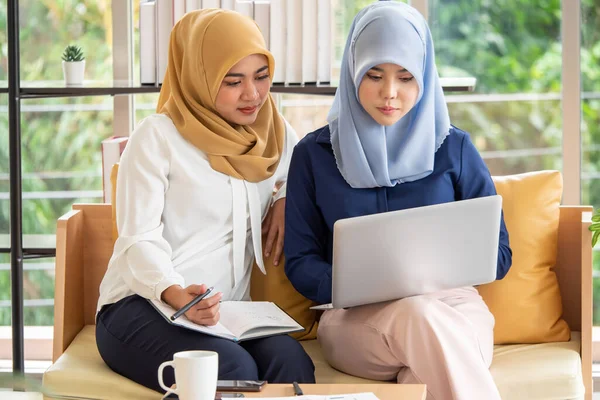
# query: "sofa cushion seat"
x,y
323,371
81,372
538,371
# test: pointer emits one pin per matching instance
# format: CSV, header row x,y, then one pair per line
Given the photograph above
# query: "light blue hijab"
x,y
369,154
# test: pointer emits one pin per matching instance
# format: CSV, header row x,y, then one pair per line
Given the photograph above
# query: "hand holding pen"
x,y
196,302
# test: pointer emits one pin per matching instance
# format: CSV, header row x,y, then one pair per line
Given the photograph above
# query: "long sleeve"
x,y
475,181
291,140
142,256
306,232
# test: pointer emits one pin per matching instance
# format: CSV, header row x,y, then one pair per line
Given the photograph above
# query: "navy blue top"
x,y
318,195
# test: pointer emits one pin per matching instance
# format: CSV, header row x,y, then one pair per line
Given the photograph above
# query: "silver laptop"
x,y
403,253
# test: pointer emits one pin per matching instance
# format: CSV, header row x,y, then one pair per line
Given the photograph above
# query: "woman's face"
x,y
388,92
244,90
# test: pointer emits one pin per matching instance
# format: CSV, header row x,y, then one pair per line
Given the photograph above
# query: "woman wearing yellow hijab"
x,y
194,183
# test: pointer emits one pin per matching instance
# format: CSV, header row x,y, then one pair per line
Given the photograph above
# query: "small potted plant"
x,y
73,65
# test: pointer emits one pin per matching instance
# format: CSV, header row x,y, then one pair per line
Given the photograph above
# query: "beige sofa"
x,y
538,371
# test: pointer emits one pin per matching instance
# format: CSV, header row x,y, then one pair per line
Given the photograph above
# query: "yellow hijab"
x,y
203,47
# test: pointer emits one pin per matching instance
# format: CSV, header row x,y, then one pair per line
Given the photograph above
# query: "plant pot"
x,y
73,72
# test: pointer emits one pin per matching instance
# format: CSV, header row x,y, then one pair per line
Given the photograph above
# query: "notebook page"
x,y
242,316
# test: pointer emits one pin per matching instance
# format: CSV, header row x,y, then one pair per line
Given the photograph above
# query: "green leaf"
x,y
595,238
596,218
594,227
73,53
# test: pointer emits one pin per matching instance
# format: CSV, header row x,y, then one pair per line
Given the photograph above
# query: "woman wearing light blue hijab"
x,y
389,145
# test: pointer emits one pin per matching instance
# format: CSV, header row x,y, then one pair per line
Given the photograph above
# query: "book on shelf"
x,y
324,41
192,5
309,41
147,43
262,16
164,24
293,45
211,3
112,148
297,32
178,10
277,40
228,4
240,320
245,7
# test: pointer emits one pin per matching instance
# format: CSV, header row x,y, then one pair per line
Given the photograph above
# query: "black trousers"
x,y
134,339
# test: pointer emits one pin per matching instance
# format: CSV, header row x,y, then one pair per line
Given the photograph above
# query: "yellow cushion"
x,y
275,286
521,372
527,302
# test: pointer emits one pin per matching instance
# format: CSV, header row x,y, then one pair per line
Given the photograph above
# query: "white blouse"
x,y
180,222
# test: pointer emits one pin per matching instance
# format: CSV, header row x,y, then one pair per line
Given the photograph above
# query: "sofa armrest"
x,y
69,285
586,302
574,273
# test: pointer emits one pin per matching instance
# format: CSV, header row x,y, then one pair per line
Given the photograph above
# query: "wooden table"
x,y
382,391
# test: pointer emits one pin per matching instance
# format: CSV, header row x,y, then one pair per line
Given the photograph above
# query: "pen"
x,y
297,390
191,304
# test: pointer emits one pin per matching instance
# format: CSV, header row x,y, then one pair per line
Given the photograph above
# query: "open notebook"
x,y
240,320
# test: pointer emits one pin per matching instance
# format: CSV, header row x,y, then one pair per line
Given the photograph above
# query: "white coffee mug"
x,y
196,374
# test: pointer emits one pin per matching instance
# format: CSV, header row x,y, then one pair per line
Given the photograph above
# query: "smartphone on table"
x,y
240,386
219,396
223,387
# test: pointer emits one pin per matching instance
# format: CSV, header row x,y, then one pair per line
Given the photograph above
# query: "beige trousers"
x,y
443,339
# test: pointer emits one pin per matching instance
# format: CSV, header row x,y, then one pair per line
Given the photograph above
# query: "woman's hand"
x,y
206,312
274,227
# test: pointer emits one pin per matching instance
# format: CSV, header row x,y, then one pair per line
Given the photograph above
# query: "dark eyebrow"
x,y
381,70
236,75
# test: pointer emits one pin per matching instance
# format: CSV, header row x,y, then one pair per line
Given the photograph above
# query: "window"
x,y
513,49
590,124
60,149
